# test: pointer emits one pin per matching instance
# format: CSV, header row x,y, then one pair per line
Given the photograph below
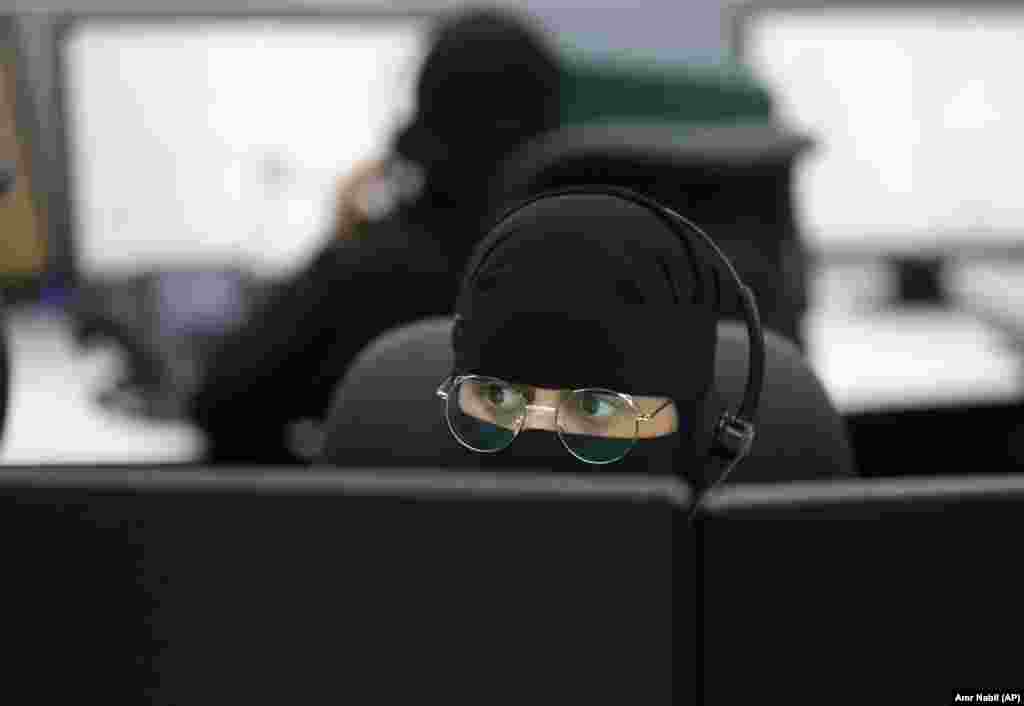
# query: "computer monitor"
x,y
916,111
322,587
199,140
862,586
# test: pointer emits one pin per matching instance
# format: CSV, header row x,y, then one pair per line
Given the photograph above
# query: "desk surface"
x,y
912,358
995,291
54,417
873,357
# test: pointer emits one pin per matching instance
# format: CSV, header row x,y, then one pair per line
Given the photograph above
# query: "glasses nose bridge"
x,y
546,413
551,409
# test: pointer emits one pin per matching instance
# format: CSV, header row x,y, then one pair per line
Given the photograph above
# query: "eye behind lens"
x,y
503,396
598,405
485,415
598,413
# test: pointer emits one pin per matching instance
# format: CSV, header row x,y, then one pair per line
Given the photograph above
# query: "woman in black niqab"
x,y
489,82
593,290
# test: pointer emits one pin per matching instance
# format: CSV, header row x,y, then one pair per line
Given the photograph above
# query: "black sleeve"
x,y
266,375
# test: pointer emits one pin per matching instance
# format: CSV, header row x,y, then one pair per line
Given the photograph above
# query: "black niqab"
x,y
488,83
594,290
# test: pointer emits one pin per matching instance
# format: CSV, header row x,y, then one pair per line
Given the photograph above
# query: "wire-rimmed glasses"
x,y
595,425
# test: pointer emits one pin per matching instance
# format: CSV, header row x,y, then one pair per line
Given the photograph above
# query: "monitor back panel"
x,y
201,589
817,589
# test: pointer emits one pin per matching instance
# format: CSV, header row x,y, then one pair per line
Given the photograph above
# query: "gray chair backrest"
x,y
386,412
800,434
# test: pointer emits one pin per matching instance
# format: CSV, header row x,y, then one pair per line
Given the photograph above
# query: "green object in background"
x,y
627,88
701,139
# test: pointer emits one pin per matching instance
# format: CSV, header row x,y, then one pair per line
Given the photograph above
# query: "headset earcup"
x,y
708,442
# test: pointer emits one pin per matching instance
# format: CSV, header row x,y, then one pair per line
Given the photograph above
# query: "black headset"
x,y
733,433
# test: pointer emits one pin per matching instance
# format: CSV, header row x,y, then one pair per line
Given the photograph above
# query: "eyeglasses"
x,y
595,425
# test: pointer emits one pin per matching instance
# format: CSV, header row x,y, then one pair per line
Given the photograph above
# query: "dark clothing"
x,y
284,365
489,83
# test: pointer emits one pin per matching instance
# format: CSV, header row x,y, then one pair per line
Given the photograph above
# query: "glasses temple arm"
x,y
652,415
442,390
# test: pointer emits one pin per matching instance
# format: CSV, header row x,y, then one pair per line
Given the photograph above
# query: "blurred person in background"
x,y
403,231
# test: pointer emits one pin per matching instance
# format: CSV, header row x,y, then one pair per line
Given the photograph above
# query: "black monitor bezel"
x,y
418,482
787,498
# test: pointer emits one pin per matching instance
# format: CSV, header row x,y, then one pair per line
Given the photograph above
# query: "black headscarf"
x,y
489,83
594,290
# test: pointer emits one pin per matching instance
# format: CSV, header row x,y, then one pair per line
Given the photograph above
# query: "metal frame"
x,y
62,207
444,392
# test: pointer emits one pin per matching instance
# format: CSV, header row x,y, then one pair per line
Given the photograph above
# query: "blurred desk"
x,y
995,292
54,417
912,358
924,391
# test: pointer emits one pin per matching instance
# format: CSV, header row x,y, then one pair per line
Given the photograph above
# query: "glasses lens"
x,y
486,414
598,426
